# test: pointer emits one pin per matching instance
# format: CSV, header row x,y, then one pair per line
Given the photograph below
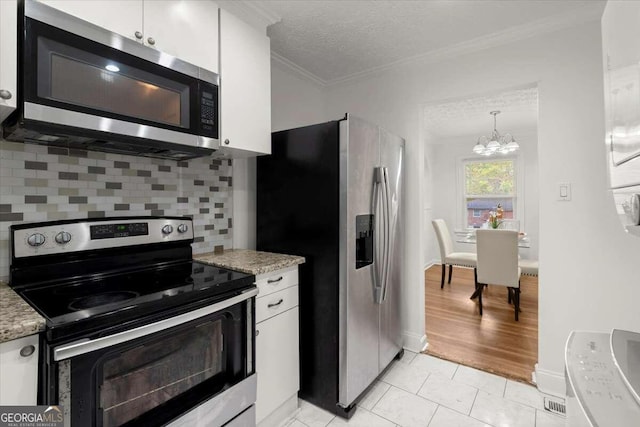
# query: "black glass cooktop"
x,y
163,286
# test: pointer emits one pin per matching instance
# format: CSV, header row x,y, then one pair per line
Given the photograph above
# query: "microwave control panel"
x,y
209,111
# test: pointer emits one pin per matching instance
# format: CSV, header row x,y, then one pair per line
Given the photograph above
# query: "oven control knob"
x,y
183,228
167,229
63,238
36,239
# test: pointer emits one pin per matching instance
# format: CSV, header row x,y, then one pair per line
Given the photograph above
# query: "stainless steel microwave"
x,y
81,86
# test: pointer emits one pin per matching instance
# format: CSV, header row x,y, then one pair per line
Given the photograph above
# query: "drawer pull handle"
x,y
275,304
274,280
27,350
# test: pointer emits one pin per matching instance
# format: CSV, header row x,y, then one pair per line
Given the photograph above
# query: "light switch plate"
x,y
564,191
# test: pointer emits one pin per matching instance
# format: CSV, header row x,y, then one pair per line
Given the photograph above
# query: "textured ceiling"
x,y
470,117
335,39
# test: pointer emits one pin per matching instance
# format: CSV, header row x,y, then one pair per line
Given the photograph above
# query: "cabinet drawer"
x,y
273,282
275,303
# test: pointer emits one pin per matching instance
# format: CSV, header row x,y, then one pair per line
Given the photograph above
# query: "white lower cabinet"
x,y
19,371
277,356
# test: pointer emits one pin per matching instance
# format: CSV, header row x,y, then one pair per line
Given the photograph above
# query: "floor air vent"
x,y
555,405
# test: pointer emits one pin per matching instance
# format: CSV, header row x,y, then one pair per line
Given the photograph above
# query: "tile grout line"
x,y
474,401
433,415
423,383
455,372
373,407
380,398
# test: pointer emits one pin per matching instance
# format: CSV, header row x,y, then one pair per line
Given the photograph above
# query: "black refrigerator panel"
x,y
298,214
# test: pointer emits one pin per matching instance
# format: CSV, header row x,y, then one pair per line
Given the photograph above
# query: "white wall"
x,y
448,155
588,265
295,101
431,250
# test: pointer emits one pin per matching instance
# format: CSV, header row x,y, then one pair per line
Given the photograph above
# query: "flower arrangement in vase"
x,y
494,220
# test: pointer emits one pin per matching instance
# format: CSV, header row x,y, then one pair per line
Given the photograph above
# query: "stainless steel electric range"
x,y
138,334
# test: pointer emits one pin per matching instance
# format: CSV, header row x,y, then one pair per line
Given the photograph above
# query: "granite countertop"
x,y
248,261
17,318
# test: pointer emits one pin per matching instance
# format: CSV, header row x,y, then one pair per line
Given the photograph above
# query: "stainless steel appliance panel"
x,y
359,313
392,158
223,407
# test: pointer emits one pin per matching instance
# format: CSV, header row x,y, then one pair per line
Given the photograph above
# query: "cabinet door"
x,y
185,29
8,57
277,361
120,16
19,372
245,88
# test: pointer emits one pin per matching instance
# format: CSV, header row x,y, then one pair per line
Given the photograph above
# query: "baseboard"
x,y
431,263
414,342
282,414
550,382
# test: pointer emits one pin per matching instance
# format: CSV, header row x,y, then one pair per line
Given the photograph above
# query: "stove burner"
x,y
83,303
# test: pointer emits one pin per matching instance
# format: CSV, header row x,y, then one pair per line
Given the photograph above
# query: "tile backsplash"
x,y
40,183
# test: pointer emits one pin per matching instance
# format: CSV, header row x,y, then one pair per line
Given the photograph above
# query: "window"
x,y
488,183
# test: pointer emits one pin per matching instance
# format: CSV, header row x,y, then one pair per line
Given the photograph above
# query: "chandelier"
x,y
497,143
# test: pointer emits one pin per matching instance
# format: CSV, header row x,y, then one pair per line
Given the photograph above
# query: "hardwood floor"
x,y
494,342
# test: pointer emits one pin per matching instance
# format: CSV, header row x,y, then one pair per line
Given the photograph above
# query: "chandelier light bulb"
x,y
513,146
478,149
493,145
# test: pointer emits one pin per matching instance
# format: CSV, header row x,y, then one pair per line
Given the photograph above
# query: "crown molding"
x,y
302,72
536,28
254,14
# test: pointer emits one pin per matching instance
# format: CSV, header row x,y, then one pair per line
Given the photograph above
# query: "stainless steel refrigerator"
x,y
333,193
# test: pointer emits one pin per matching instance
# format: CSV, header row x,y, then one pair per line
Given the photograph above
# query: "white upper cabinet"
x,y
119,16
186,29
245,88
8,57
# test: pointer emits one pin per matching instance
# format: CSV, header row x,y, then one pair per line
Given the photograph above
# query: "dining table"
x,y
470,238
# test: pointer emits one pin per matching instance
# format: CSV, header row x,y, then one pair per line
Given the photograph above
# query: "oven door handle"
x,y
86,346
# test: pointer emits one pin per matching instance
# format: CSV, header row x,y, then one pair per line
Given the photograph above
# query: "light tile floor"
x,y
422,391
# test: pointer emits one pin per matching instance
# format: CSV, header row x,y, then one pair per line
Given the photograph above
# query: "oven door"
x,y
80,76
160,372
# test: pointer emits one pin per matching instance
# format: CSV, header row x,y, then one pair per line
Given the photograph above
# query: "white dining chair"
x,y
447,255
498,263
529,267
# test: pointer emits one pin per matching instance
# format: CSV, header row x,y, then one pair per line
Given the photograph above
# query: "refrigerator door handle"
x,y
379,235
388,232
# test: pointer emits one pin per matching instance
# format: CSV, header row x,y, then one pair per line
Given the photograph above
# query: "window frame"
x,y
518,196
